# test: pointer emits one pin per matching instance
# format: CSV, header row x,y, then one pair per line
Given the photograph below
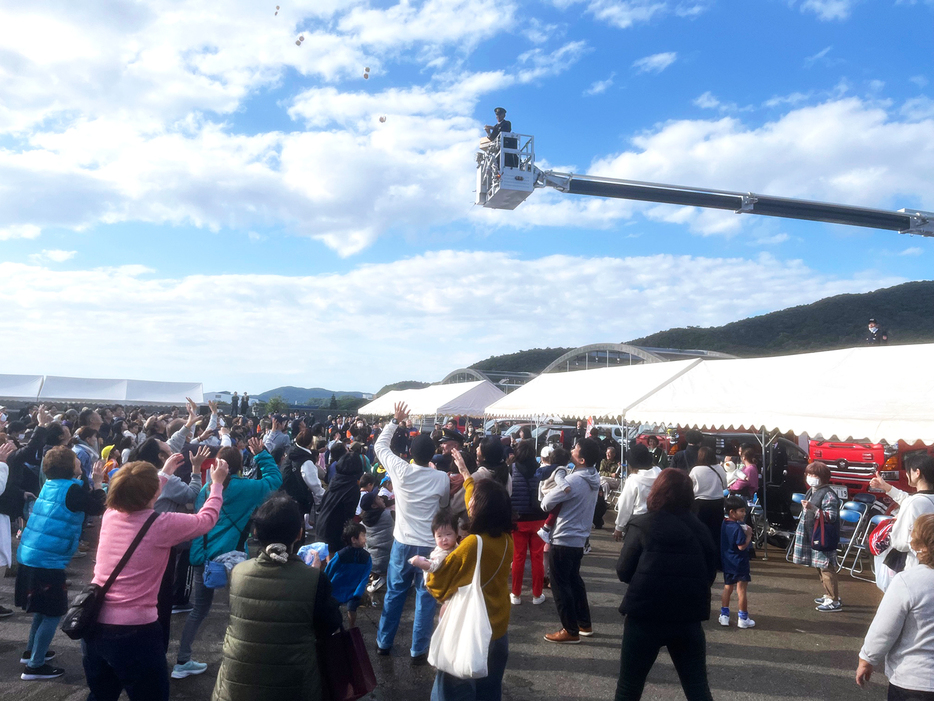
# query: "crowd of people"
x,y
303,521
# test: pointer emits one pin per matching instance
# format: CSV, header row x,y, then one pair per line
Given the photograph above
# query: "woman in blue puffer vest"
x,y
47,545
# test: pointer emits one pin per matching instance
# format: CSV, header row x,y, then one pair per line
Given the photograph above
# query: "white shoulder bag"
x,y
460,644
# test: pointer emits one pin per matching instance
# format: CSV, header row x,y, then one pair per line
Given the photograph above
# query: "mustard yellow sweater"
x,y
495,563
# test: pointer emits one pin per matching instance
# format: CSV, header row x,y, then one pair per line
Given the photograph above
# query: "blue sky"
x,y
185,194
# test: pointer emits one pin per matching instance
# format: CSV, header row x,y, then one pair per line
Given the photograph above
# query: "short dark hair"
x,y
59,463
492,450
277,520
560,456
639,457
367,480
734,502
651,437
590,450
233,458
338,450
305,438
694,437
492,509
752,455
54,434
444,517
352,530
924,464
148,451
672,491
423,449
84,418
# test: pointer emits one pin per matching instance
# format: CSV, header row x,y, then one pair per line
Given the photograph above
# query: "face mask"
x,y
812,480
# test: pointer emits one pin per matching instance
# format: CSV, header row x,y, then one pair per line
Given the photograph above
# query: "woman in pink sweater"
x,y
125,649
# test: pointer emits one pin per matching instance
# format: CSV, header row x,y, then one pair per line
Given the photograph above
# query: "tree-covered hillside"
x,y
905,311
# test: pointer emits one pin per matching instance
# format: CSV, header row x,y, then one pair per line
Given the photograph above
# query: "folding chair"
x,y
856,513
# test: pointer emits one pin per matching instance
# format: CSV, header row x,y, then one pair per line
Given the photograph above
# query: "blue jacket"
x,y
52,532
349,572
525,481
241,497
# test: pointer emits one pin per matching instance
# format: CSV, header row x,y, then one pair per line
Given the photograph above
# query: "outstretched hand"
x,y
401,412
220,471
6,450
256,446
461,464
199,457
878,483
172,463
192,412
97,474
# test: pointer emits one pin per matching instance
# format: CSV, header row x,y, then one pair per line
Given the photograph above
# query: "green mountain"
x,y
905,311
533,360
301,395
404,384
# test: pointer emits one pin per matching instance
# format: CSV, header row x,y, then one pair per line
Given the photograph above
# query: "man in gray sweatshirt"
x,y
578,501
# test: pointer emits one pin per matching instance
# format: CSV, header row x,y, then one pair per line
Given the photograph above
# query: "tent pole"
x,y
765,499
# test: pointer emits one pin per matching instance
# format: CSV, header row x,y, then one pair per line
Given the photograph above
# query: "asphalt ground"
x,y
794,652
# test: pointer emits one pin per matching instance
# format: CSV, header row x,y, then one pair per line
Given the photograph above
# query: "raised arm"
x,y
389,460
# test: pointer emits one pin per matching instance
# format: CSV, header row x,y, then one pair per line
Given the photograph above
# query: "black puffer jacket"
x,y
669,562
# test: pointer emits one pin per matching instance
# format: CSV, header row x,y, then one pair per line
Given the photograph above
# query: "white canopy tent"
x,y
874,393
458,399
604,392
20,387
78,389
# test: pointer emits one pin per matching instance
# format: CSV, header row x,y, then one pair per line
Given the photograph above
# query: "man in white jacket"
x,y
636,488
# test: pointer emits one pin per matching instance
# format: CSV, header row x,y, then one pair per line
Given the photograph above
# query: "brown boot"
x,y
562,636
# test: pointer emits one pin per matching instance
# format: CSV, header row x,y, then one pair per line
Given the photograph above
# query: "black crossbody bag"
x,y
85,607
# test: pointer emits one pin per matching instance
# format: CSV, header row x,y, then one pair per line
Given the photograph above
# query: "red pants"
x,y
525,537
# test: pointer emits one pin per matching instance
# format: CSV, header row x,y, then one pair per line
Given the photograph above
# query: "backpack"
x,y
881,537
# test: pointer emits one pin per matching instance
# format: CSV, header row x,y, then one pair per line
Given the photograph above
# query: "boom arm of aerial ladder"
x,y
507,175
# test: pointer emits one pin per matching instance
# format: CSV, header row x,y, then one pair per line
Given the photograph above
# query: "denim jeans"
x,y
204,597
40,637
398,582
642,639
126,657
488,688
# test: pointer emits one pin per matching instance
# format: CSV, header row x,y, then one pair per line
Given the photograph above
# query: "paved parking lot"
x,y
793,653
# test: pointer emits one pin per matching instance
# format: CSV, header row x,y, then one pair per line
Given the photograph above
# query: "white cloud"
x,y
19,231
772,240
655,63
845,151
918,108
396,307
598,87
52,256
707,101
919,80
829,9
536,63
913,251
819,56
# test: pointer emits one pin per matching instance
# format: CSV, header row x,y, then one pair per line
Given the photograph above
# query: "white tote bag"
x,y
461,642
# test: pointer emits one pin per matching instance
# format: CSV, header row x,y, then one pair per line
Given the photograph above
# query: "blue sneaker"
x,y
189,669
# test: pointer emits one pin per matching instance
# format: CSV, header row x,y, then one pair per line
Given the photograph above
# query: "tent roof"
x,y
461,398
875,393
20,386
583,393
78,389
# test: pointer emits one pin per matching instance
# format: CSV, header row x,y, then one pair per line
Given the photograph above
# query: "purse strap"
x,y
126,556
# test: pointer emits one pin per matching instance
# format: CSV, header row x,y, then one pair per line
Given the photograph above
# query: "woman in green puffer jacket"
x,y
279,608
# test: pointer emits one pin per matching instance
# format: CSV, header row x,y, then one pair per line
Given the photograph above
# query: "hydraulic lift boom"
x,y
507,175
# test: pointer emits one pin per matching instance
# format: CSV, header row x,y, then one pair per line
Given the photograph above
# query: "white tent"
x,y
874,393
605,392
20,386
78,389
458,399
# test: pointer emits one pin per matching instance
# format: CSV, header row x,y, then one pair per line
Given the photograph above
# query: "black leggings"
x,y
643,638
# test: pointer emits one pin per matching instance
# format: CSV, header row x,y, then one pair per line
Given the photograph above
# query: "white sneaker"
x,y
538,599
376,584
724,620
515,600
746,623
189,669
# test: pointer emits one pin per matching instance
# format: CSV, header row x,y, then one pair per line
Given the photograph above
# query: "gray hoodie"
x,y
577,507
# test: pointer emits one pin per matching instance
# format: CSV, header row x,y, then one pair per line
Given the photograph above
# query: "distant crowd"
x,y
304,522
